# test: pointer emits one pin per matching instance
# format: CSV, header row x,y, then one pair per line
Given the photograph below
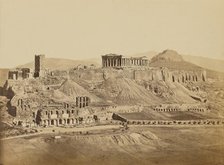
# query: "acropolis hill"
x,y
125,105
87,93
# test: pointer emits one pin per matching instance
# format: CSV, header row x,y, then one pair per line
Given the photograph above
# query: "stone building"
x,y
119,61
39,66
19,74
82,101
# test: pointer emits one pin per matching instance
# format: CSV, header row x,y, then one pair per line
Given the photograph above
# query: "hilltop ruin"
x,y
46,97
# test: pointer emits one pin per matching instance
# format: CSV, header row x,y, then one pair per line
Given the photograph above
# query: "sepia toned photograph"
x,y
111,82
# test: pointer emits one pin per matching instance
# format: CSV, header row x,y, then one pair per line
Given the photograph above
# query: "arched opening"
x,y
203,77
173,79
60,121
38,117
68,121
52,122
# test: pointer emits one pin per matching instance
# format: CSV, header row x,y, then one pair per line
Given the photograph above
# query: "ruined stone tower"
x,y
39,66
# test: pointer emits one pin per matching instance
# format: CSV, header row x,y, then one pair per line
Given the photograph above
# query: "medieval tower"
x,y
39,65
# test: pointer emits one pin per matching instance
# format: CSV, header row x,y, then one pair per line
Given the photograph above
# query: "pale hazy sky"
x,y
89,28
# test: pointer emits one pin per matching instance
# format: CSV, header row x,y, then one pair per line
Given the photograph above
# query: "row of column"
x,y
112,62
134,61
117,62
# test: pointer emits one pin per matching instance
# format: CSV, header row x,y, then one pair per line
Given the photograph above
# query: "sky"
x,y
83,29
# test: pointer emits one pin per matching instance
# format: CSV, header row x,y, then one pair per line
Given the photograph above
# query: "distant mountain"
x,y
62,64
204,62
209,63
172,60
168,55
148,54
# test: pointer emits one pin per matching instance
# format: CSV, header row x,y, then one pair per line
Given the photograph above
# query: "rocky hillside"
x,y
3,76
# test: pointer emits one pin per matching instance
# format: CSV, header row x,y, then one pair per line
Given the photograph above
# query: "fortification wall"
x,y
167,75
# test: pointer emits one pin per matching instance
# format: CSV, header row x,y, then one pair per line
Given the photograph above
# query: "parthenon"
x,y
114,60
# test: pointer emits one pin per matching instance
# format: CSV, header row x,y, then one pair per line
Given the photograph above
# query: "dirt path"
x,y
64,130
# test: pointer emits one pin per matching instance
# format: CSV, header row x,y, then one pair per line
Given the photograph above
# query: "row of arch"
x,y
176,122
178,109
57,112
65,121
57,122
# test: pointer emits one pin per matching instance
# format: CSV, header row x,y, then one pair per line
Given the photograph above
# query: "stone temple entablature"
x,y
119,61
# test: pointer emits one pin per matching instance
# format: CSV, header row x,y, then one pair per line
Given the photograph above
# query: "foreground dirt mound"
x,y
73,90
127,91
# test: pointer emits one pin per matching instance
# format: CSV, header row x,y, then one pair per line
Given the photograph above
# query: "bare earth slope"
x,y
73,90
127,91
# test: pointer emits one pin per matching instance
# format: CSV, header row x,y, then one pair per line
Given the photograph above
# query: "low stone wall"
x,y
121,119
177,122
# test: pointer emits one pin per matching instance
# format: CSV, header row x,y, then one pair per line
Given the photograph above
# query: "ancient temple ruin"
x,y
114,60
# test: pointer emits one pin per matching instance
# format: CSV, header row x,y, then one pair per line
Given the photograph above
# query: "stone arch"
x,y
60,121
38,117
52,122
68,121
173,79
203,77
34,114
182,79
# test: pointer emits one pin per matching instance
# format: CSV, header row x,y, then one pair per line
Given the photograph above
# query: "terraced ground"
x,y
137,145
